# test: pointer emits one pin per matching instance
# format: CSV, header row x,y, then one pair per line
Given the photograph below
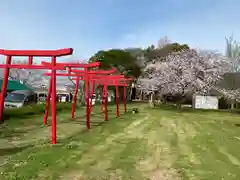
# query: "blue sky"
x,y
91,25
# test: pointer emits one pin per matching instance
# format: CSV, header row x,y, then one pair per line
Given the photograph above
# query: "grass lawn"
x,y
156,144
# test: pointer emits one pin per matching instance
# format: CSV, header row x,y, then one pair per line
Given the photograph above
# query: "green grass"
x,y
161,143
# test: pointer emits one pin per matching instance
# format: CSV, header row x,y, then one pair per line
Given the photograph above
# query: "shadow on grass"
x,y
192,110
98,114
99,124
22,120
8,133
238,125
82,121
93,122
13,150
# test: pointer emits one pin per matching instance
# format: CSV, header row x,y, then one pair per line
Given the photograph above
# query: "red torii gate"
x,y
66,65
51,66
85,75
89,77
113,80
91,74
81,75
116,82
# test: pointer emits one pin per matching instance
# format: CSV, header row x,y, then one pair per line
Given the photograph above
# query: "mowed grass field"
x,y
155,144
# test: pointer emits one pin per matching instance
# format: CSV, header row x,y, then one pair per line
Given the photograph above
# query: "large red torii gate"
x,y
88,77
117,83
66,65
51,66
84,73
111,80
80,75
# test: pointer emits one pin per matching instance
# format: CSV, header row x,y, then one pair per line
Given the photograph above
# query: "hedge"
x,y
27,111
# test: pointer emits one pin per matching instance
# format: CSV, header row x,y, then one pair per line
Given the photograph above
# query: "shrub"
x,y
223,103
135,110
32,110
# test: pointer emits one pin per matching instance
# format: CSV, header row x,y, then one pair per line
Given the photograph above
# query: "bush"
x,y
32,110
223,103
135,110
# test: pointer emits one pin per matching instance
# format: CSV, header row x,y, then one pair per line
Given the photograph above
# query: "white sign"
x,y
63,99
205,102
93,101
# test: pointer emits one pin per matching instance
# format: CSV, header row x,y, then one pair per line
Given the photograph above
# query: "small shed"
x,y
205,102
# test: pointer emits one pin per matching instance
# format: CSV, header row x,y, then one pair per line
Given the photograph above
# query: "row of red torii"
x,y
90,78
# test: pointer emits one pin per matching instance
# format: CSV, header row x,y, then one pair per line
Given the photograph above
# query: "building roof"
x,y
15,85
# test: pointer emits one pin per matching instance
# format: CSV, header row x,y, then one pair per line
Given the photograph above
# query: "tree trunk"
x,y
232,104
179,105
131,91
152,100
237,105
83,98
162,99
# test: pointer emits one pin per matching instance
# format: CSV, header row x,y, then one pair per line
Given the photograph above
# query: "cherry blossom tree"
x,y
27,76
185,73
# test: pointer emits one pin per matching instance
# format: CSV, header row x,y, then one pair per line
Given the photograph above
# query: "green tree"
x,y
150,48
123,61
